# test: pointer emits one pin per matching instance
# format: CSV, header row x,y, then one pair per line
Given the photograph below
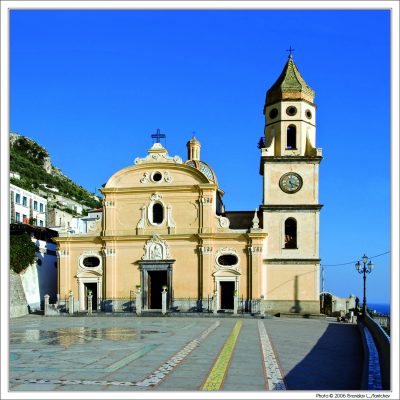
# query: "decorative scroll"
x,y
223,222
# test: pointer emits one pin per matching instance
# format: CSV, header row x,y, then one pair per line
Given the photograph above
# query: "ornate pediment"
x,y
158,154
156,249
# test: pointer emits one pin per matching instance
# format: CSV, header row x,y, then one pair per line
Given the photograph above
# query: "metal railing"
x,y
250,306
116,304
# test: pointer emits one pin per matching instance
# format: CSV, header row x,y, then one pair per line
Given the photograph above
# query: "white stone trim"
x,y
95,270
81,289
223,222
218,280
235,268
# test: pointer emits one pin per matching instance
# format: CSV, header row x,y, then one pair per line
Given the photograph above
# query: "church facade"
x,y
164,225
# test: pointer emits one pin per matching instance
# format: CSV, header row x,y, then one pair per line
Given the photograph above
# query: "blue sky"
x,y
92,86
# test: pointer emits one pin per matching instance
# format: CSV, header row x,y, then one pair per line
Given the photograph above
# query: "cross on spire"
x,y
158,136
290,50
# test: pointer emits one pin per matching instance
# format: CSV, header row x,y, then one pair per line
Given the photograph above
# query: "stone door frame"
x,y
225,278
155,265
81,290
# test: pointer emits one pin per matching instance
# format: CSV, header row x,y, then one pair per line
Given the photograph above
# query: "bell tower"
x,y
290,169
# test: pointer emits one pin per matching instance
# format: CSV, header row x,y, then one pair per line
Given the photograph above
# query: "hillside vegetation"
x,y
32,162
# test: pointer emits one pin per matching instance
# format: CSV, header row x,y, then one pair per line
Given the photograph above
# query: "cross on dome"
x,y
158,136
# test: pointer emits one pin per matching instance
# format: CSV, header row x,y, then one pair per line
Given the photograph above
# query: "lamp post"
x,y
365,269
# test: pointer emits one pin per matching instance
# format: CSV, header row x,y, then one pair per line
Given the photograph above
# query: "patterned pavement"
x,y
180,354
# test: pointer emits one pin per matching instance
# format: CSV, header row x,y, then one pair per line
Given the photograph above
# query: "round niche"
x,y
291,111
308,114
157,176
273,113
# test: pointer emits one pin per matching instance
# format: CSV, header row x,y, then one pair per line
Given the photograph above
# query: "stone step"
x,y
301,315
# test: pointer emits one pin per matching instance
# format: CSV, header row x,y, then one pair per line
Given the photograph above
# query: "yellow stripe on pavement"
x,y
217,374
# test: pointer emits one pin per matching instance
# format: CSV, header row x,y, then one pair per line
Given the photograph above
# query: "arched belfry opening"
x,y
290,233
291,137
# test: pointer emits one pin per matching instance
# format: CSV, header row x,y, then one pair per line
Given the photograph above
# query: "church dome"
x,y
204,168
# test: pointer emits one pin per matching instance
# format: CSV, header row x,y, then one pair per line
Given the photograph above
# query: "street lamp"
x,y
365,269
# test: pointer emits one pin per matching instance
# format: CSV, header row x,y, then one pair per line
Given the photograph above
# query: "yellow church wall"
x,y
142,176
292,282
70,253
307,235
308,194
126,214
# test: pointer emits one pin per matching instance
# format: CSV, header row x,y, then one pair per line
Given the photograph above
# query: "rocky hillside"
x,y
37,174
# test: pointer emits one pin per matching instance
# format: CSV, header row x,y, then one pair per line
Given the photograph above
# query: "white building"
x,y
26,205
81,225
40,278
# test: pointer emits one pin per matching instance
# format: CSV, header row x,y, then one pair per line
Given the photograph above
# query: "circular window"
x,y
273,113
227,260
91,262
292,110
308,114
157,176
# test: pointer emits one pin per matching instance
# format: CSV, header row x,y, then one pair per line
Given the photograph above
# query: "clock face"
x,y
291,182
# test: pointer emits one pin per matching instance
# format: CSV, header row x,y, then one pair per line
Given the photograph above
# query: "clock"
x,y
291,182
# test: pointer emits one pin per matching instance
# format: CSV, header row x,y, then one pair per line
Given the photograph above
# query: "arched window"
x,y
290,234
158,213
291,137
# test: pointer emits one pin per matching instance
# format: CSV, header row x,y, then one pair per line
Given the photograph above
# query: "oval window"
x,y
227,259
308,114
291,111
91,262
273,113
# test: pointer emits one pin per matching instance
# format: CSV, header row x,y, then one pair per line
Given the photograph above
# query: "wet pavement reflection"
x,y
66,337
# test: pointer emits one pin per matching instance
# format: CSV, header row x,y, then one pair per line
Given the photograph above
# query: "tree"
x,y
22,252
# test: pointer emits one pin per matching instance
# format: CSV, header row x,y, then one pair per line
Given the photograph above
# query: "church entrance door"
x,y
154,275
91,286
227,292
156,280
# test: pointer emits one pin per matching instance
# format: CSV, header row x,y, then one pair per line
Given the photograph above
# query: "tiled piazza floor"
x,y
155,353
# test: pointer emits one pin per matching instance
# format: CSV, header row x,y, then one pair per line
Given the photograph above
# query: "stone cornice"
x,y
290,120
291,207
223,235
290,101
77,238
257,235
292,261
142,238
161,189
292,159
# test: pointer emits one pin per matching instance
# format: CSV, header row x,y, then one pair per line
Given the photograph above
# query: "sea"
x,y
381,308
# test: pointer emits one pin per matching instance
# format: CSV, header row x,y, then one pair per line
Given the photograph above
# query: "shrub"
x,y
22,252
